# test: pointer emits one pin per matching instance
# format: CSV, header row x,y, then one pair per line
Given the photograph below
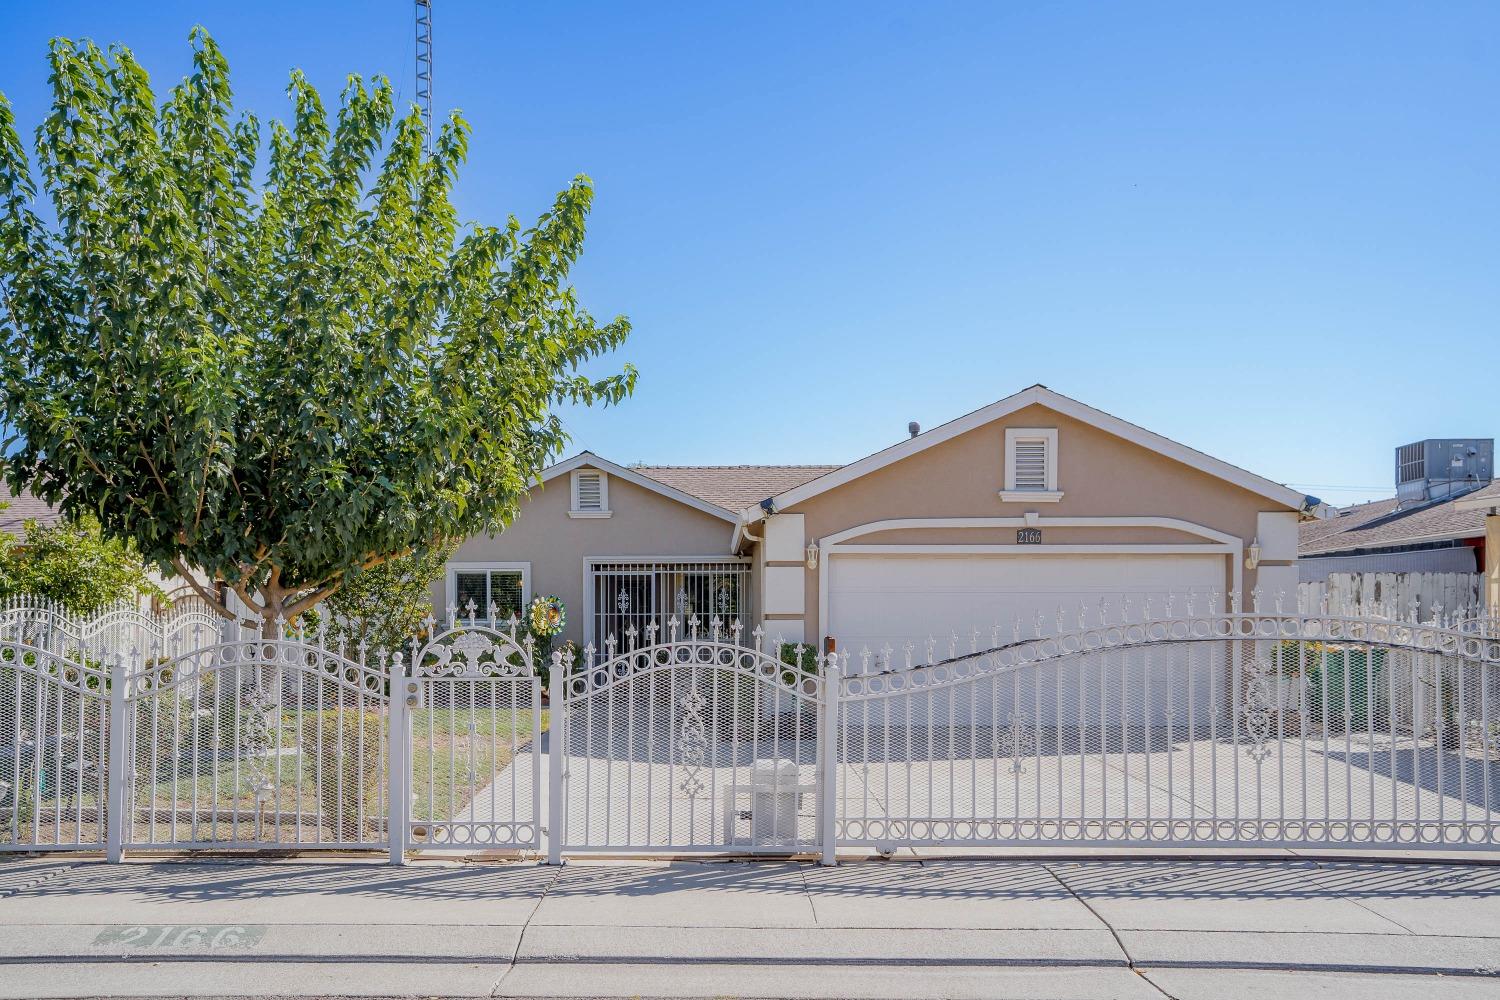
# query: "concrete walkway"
x,y
1054,928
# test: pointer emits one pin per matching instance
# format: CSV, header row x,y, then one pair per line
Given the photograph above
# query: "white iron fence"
x,y
256,743
1255,729
1247,730
470,719
694,744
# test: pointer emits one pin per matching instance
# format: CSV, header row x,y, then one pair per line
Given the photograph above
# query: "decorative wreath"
x,y
546,616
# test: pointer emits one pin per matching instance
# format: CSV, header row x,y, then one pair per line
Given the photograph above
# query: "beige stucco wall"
x,y
1100,475
643,523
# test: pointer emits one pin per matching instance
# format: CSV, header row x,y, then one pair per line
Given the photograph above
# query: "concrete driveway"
x,y
904,929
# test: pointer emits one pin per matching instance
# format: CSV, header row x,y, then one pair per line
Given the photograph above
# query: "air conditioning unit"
x,y
1439,468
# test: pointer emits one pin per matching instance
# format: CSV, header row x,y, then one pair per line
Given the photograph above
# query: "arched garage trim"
x,y
1214,542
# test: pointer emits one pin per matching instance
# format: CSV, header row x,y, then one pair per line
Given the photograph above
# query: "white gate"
x,y
54,747
1251,730
257,743
695,745
472,704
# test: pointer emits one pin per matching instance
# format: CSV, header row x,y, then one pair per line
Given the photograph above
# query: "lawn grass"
x,y
443,750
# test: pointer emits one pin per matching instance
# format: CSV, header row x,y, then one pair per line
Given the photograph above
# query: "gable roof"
x,y
733,487
1381,525
588,458
1040,394
24,507
720,490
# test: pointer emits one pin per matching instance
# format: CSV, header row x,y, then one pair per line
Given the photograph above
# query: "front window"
x,y
504,586
641,594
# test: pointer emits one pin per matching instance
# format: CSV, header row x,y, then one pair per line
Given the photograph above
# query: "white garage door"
x,y
878,599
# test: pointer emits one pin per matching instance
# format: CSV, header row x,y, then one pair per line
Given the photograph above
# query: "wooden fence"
x,y
1398,596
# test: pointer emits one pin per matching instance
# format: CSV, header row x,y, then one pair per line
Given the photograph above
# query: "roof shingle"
x,y
24,507
1379,524
733,487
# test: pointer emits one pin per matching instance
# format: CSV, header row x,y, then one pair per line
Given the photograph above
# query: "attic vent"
x,y
590,495
1031,465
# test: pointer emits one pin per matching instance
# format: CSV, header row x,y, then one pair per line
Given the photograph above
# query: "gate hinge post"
x,y
116,781
828,731
556,738
398,754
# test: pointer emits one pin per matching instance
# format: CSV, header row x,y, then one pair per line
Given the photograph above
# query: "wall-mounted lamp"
x,y
1253,559
812,555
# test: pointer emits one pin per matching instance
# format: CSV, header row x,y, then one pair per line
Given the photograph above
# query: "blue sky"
x,y
1272,233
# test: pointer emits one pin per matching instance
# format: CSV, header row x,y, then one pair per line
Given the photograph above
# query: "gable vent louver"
x,y
590,496
1031,465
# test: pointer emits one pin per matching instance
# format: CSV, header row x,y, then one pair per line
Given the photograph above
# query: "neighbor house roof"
x,y
1040,394
1381,525
734,487
24,507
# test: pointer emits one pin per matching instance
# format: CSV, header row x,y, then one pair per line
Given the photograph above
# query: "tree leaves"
x,y
72,563
286,382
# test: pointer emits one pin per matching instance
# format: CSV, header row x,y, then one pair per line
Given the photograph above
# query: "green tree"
x,y
387,605
73,563
281,382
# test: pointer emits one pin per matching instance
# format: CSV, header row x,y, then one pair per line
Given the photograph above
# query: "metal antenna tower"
x,y
424,64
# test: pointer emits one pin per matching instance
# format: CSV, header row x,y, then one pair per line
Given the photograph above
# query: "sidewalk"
x,y
949,928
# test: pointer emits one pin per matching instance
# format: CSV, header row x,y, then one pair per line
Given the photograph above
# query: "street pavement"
x,y
940,927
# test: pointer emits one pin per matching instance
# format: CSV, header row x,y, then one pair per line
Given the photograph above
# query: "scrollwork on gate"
x,y
477,650
692,742
1259,706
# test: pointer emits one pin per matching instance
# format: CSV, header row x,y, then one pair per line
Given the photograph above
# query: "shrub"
x,y
341,753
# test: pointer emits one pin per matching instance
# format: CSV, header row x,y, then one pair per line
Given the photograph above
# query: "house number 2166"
x,y
1028,536
182,936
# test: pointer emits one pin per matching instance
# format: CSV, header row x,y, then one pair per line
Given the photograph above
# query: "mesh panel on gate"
x,y
54,741
1174,735
692,746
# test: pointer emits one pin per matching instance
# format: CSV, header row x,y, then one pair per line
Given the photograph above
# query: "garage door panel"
x,y
876,600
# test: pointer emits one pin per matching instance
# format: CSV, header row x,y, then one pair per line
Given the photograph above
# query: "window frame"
x,y
573,508
1015,435
656,567
486,567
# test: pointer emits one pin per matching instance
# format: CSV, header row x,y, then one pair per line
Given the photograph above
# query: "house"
x,y
18,508
1434,524
1032,505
